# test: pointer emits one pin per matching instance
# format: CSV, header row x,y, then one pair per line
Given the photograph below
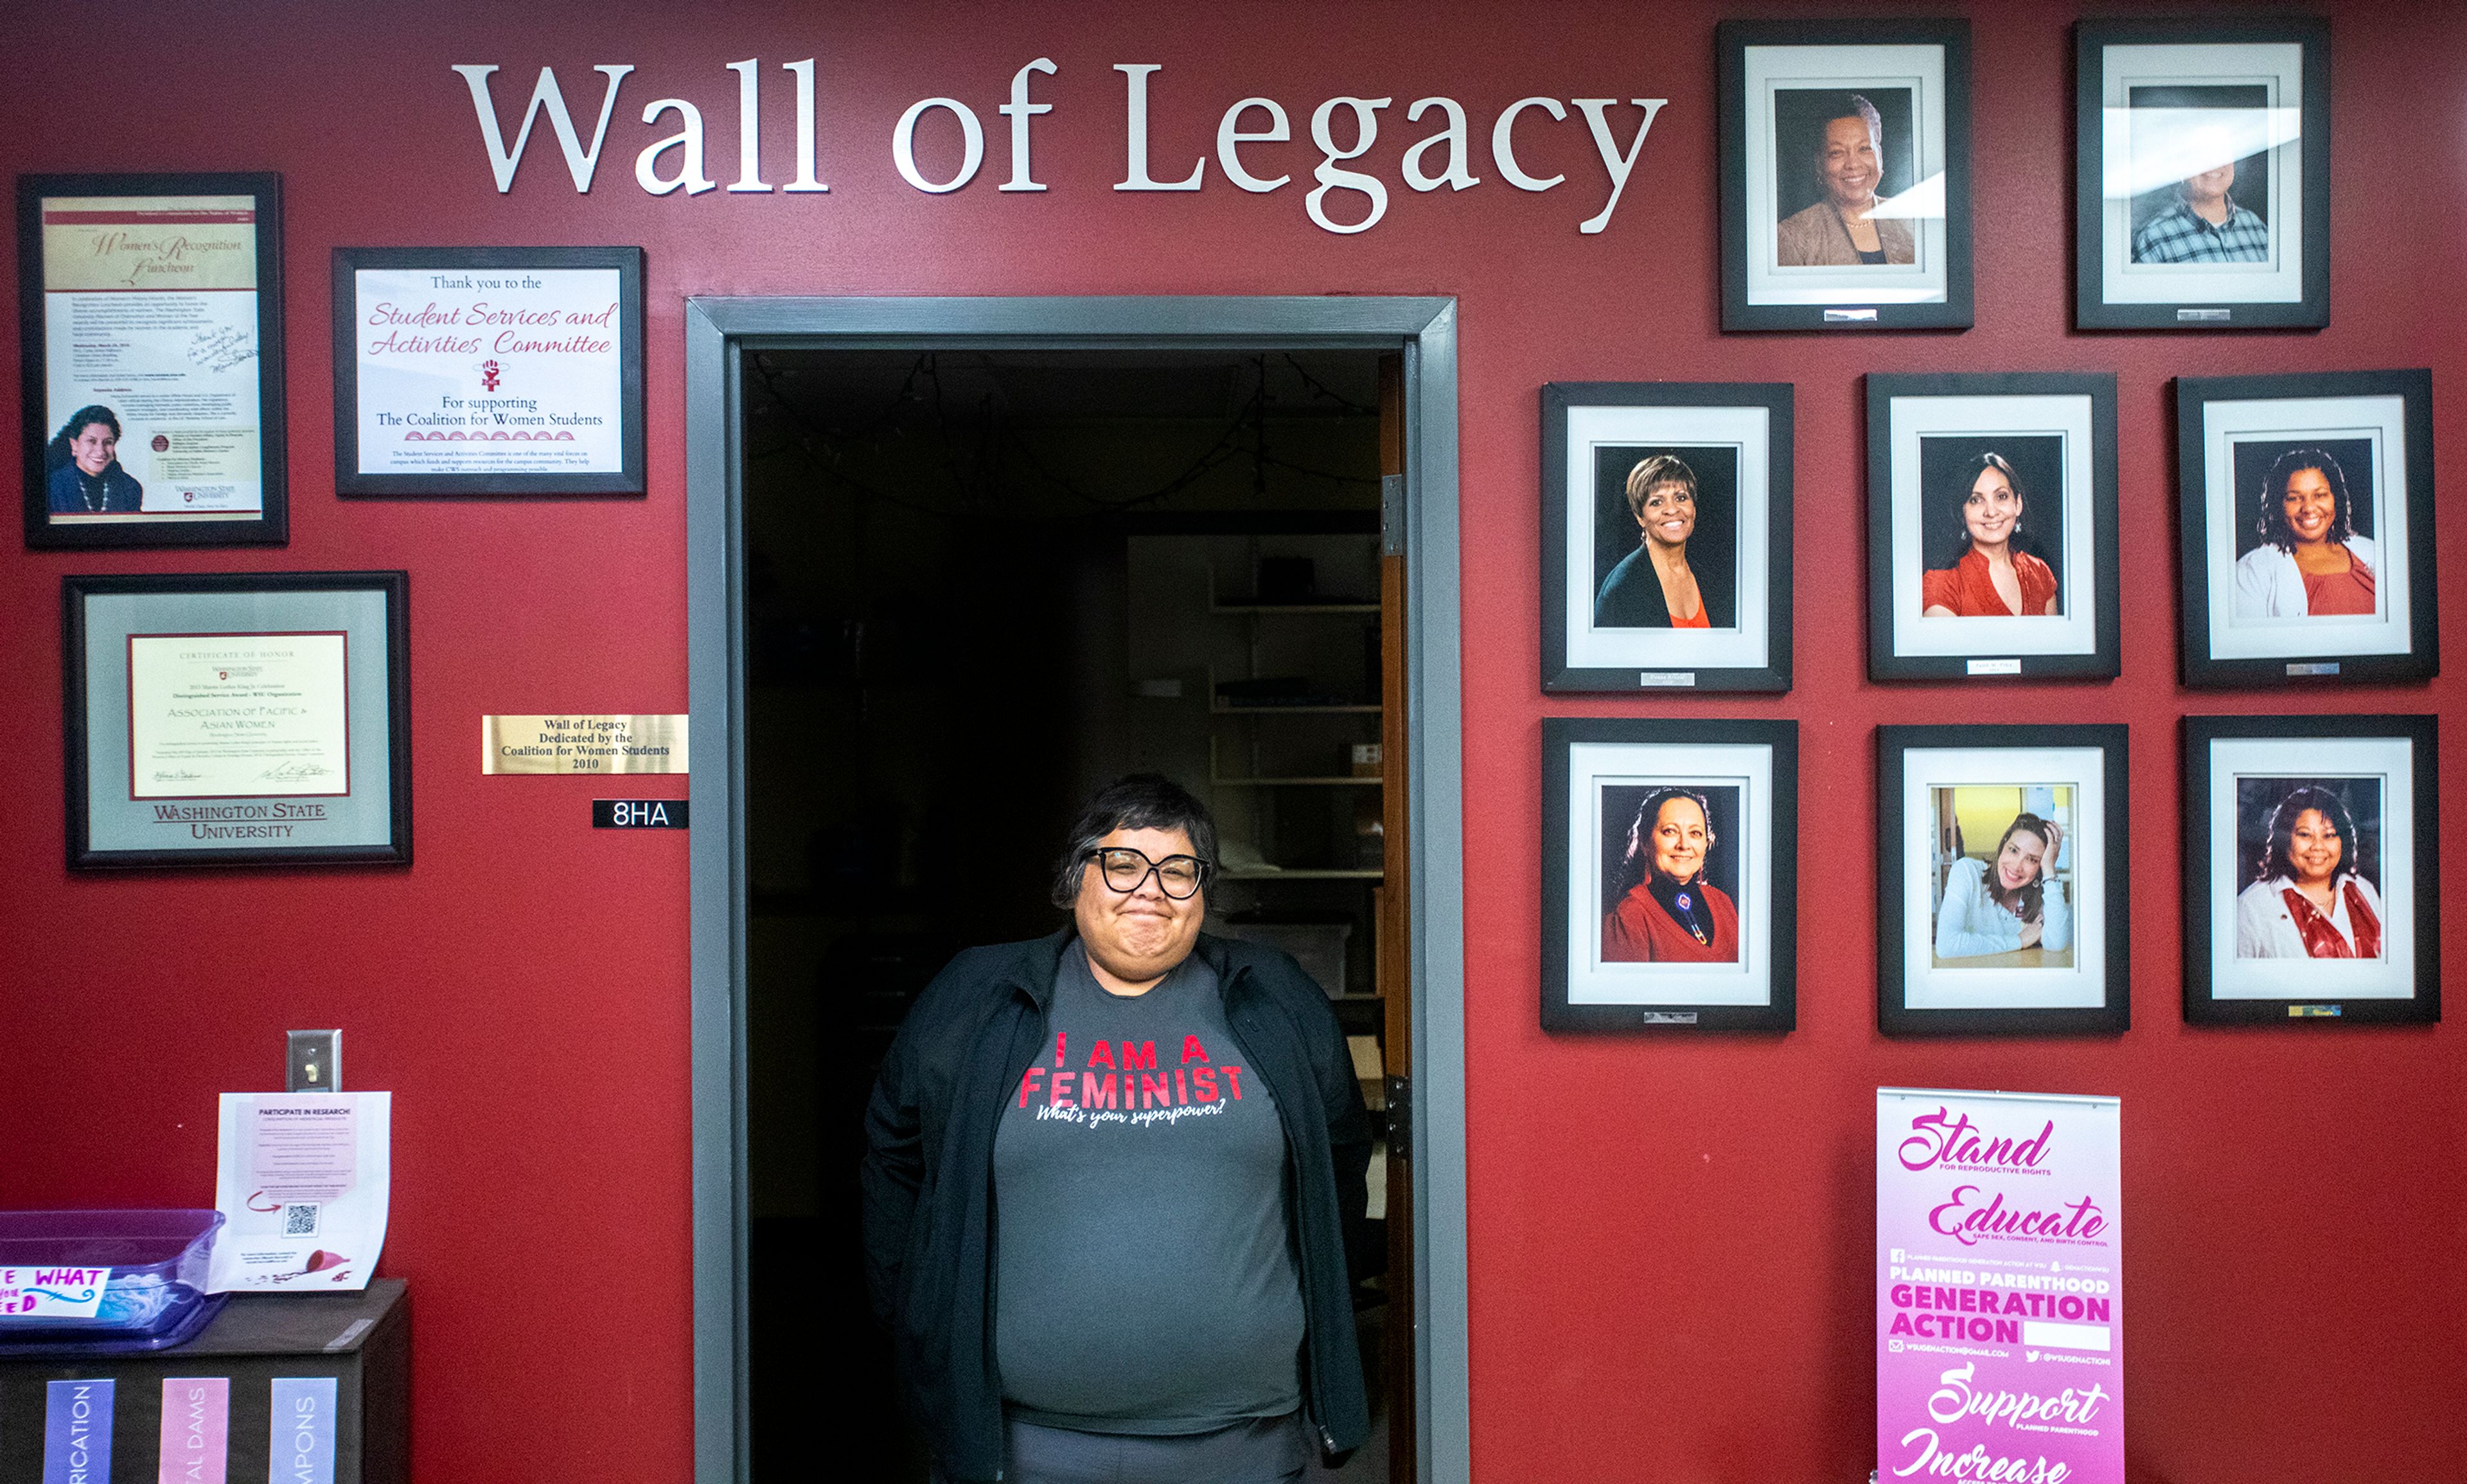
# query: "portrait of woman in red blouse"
x,y
1992,575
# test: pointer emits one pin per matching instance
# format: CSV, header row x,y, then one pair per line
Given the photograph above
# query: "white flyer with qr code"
x,y
303,1185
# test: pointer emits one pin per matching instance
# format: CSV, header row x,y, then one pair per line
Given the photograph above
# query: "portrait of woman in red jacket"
x,y
1992,575
1673,914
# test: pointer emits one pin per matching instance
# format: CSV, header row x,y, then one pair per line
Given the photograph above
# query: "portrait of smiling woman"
x,y
1655,586
1842,229
1672,913
2311,562
2010,901
2308,895
1990,575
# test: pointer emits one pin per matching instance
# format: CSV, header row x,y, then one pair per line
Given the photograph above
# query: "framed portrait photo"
x,y
489,371
2001,879
2202,174
236,719
1668,892
2312,870
1665,536
1845,174
2308,546
150,316
1991,526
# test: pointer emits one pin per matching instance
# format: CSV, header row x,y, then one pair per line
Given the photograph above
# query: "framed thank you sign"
x,y
489,371
2312,870
2308,546
2002,872
150,311
238,718
1669,899
1845,174
1665,535
2202,174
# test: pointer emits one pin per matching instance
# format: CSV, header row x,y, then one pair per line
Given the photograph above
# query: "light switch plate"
x,y
316,1062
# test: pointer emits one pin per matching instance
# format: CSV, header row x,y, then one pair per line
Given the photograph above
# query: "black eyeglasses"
x,y
1126,869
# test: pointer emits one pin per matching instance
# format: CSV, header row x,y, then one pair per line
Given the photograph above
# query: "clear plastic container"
x,y
157,1259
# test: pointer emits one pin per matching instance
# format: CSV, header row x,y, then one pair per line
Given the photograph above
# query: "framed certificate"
x,y
489,371
238,718
149,313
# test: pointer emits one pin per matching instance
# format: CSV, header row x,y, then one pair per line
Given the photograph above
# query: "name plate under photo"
x,y
582,744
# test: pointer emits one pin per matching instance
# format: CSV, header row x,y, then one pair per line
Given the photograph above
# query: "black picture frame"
x,y
2042,419
109,826
2103,240
2217,522
1719,418
1749,301
2353,751
1761,862
1965,1009
153,240
481,263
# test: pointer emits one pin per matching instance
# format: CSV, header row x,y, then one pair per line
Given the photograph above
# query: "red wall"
x,y
1669,1240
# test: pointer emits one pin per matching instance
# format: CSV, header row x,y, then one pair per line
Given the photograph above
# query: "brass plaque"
x,y
582,744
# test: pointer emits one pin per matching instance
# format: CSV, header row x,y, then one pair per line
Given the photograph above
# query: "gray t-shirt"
x,y
1144,1280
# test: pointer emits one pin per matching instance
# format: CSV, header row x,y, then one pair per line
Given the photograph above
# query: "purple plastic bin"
x,y
155,1295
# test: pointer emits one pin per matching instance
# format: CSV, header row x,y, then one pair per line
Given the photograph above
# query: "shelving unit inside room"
x,y
1254,666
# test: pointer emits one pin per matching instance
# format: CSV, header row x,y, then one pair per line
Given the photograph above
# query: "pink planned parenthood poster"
x,y
2000,1294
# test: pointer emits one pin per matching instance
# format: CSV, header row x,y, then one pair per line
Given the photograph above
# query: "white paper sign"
x,y
304,1187
51,1293
484,370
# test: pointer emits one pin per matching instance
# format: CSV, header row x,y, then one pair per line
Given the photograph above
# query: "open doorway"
x,y
979,584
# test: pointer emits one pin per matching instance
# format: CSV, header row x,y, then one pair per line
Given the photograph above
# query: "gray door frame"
x,y
717,330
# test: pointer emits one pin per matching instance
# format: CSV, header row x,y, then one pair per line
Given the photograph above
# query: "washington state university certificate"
x,y
238,715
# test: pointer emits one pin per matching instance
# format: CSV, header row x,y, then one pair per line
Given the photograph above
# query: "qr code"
x,y
300,1220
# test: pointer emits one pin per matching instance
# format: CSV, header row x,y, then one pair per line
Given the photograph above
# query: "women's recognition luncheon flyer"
x,y
2000,1337
480,371
150,333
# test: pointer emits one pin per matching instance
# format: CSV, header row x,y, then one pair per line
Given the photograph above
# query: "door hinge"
x,y
1399,1093
1391,515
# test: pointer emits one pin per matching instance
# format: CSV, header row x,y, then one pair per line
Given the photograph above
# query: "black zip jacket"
x,y
928,1176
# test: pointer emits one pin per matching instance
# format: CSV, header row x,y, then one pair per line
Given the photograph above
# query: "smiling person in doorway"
x,y
86,478
1108,1181
2310,564
1655,587
1843,229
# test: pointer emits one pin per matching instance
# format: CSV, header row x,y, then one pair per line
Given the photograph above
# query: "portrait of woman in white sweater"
x,y
2009,902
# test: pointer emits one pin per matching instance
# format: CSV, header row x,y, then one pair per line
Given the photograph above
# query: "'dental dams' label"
x,y
76,1432
196,1430
302,1450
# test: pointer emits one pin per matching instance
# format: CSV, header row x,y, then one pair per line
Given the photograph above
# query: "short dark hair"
x,y
2276,856
1138,800
2273,525
1651,474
